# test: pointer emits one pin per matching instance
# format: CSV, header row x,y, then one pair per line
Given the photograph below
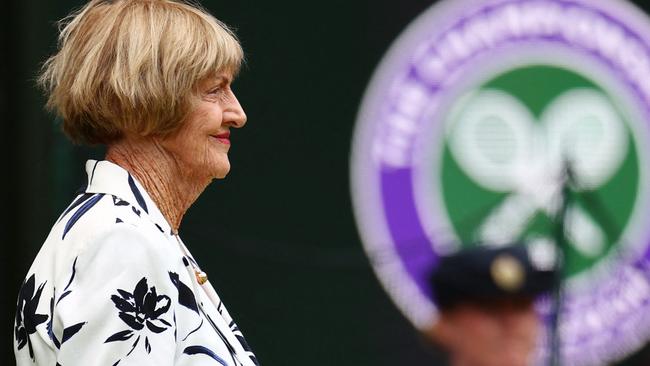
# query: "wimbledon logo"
x,y
464,135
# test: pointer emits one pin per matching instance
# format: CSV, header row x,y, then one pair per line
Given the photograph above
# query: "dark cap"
x,y
487,274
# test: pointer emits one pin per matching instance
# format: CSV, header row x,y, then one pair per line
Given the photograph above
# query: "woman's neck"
x,y
171,186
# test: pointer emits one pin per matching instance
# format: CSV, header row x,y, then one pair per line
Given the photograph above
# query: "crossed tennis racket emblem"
x,y
498,144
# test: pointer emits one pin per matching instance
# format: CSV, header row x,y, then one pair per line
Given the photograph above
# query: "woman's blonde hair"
x,y
132,67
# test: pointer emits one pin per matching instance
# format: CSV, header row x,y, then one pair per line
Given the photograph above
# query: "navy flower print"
x,y
139,309
200,350
26,318
185,294
70,331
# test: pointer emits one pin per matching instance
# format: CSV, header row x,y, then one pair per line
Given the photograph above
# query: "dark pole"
x,y
561,245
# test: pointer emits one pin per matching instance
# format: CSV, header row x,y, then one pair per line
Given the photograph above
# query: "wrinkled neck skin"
x,y
171,185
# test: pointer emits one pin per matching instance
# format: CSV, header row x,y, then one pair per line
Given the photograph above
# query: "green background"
x,y
277,237
609,206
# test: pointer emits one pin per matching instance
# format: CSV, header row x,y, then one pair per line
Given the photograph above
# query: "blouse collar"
x,y
106,177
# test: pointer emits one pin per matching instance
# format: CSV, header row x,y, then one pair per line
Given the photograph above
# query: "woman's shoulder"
x,y
93,215
100,225
99,256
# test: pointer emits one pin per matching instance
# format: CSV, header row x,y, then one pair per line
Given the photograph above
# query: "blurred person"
x,y
486,305
113,283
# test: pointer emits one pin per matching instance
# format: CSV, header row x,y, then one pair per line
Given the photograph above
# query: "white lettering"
x,y
500,30
541,19
479,33
578,27
447,52
401,125
634,60
411,99
432,69
396,140
608,36
393,157
512,17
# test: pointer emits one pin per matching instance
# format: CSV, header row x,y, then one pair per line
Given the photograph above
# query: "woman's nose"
x,y
234,114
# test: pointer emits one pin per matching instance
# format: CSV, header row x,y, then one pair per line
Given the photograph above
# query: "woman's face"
x,y
201,145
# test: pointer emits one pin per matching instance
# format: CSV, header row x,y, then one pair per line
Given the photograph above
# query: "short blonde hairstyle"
x,y
132,67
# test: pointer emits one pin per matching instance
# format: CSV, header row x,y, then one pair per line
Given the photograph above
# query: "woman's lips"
x,y
224,138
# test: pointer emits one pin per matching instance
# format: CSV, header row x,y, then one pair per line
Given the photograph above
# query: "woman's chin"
x,y
221,171
220,176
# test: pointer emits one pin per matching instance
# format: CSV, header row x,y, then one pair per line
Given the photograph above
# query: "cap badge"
x,y
507,272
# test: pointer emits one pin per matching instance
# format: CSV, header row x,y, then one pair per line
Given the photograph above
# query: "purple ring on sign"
x,y
412,244
405,227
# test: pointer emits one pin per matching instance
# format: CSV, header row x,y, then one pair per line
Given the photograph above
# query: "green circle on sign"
x,y
609,206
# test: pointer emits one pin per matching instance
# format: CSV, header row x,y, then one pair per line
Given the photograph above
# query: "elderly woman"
x,y
113,283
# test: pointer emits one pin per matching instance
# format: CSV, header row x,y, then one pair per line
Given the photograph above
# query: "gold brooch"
x,y
201,277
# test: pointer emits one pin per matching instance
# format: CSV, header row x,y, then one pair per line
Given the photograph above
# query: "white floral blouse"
x,y
113,286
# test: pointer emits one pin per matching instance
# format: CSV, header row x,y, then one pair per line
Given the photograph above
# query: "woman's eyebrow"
x,y
217,81
224,79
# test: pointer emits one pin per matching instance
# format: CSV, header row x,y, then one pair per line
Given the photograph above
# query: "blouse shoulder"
x,y
91,217
102,256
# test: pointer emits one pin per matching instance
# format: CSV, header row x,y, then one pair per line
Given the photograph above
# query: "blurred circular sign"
x,y
462,138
